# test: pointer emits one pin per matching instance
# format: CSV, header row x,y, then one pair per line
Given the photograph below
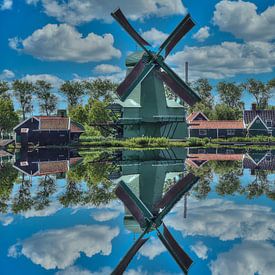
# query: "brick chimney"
x,y
253,106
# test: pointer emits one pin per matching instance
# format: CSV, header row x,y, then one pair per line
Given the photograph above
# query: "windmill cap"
x,y
133,58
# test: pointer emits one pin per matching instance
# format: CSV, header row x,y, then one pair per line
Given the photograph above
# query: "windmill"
x,y
152,219
145,109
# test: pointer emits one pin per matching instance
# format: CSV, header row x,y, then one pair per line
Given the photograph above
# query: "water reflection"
x,y
60,207
141,188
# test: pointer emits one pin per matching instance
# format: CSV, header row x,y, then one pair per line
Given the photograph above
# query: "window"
x,y
201,151
230,132
24,130
257,121
202,132
269,123
24,163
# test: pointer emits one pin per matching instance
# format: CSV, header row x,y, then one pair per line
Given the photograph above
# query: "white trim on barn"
x,y
251,123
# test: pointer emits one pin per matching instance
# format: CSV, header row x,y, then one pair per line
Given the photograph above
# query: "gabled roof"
x,y
217,124
53,123
193,115
255,118
266,163
56,123
250,115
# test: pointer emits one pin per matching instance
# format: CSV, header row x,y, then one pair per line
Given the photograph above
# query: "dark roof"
x,y
265,115
217,124
266,163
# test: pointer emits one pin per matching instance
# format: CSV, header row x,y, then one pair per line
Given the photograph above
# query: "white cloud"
x,y
6,220
200,249
105,215
224,220
73,270
107,69
202,34
115,77
75,12
152,248
226,60
154,36
249,257
54,80
6,5
64,43
7,74
61,247
50,210
242,20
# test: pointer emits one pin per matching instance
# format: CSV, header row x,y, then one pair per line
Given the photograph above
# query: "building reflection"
x,y
150,184
46,161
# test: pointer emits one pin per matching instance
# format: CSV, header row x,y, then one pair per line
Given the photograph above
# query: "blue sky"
x,y
77,39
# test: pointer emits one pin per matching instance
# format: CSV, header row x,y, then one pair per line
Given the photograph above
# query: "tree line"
x,y
230,105
100,92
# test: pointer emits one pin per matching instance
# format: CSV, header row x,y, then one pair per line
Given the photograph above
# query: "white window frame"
x,y
230,132
269,121
202,132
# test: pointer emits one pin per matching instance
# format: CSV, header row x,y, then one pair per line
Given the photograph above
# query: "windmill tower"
x,y
145,109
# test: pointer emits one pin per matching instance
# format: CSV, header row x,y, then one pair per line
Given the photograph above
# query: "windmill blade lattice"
x,y
154,61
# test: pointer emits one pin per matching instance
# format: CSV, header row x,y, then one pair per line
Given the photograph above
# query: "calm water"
x,y
68,212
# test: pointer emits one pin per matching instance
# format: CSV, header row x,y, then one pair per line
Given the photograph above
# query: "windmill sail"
x,y
137,74
121,19
129,256
178,86
181,257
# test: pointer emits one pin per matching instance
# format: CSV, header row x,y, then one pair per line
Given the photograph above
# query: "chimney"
x,y
253,106
186,72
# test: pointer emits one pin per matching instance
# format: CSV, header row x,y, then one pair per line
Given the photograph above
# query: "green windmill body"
x,y
145,109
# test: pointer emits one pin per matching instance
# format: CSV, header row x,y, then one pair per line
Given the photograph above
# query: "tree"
x,y
8,117
48,101
98,113
224,112
230,94
73,90
203,88
100,89
79,114
260,91
23,92
4,87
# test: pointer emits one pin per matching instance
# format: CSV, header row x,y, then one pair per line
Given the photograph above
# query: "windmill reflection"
x,y
151,183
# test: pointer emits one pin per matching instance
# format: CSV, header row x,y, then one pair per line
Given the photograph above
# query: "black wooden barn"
x,y
48,130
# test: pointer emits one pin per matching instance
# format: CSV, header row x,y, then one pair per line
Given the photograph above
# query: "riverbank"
x,y
148,142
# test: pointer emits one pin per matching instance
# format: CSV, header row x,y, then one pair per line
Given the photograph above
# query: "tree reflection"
x,y
46,188
8,176
202,188
229,177
23,201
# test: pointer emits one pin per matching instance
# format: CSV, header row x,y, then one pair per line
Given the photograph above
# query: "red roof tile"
x,y
193,115
53,167
75,128
53,123
217,124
